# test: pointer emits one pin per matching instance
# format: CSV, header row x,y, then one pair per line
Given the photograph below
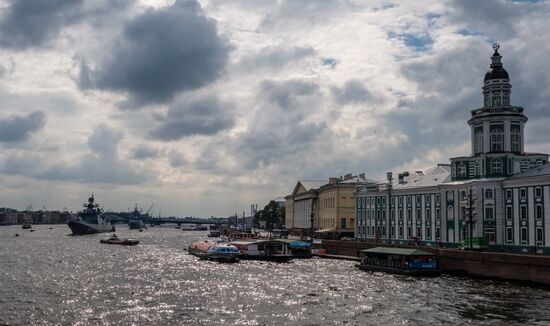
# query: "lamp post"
x,y
389,177
312,219
470,217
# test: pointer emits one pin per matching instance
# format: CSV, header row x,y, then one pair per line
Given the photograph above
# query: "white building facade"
x,y
498,197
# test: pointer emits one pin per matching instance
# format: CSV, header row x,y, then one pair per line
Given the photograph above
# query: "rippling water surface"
x,y
48,277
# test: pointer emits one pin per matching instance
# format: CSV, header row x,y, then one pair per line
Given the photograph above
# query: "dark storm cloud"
x,y
352,92
162,52
32,23
18,128
275,57
143,152
201,116
286,94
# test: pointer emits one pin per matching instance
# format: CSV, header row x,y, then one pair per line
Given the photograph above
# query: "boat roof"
x,y
398,251
253,241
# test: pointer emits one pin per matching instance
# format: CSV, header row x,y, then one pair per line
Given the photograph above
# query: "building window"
x,y
401,232
419,232
497,140
496,166
538,212
437,234
540,237
509,235
400,214
377,200
478,142
538,192
490,235
524,236
508,193
409,231
409,200
428,233
489,194
418,214
428,215
437,199
418,199
409,214
400,200
392,213
428,199
462,170
343,223
393,201
523,193
489,213
523,212
508,212
437,215
463,195
515,140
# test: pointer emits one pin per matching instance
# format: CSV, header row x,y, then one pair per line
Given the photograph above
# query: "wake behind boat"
x,y
91,220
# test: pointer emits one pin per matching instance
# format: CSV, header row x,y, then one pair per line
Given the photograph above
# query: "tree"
x,y
273,215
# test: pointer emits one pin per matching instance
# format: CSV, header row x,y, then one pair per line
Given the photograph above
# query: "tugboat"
x,y
91,220
120,241
135,222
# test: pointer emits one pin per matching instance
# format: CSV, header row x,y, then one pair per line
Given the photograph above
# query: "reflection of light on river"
x,y
47,277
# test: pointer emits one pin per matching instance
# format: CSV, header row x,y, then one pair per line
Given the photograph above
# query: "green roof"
x,y
398,251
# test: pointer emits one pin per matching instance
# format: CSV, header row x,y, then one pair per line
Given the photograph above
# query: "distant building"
x,y
499,196
332,204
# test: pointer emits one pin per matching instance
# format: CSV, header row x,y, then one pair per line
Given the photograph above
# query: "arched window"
x,y
497,140
478,142
496,166
462,170
496,99
506,98
515,140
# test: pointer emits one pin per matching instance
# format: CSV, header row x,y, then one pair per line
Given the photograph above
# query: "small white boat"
x,y
211,250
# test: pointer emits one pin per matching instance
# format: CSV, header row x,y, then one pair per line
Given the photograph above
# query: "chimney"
x,y
332,181
347,176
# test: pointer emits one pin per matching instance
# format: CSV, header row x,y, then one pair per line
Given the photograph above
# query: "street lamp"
x,y
389,177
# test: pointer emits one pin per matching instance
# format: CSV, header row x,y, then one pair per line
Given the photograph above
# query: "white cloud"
x,y
297,89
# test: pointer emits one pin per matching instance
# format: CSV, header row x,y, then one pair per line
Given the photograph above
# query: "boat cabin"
x,y
399,260
263,248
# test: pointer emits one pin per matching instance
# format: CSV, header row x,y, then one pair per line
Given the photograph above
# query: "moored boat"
x,y
406,261
26,225
120,241
263,249
91,220
211,250
135,221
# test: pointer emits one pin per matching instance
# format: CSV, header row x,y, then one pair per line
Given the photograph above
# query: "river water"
x,y
48,277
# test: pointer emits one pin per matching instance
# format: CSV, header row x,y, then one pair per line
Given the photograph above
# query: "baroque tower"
x,y
497,132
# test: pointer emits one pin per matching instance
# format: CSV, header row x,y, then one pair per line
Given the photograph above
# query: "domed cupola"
x,y
496,71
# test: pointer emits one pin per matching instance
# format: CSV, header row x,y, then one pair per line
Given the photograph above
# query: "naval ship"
x,y
91,220
135,221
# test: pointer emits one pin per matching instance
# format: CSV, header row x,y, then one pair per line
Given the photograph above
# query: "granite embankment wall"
x,y
515,267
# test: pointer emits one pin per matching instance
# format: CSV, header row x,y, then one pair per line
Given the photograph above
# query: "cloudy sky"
x,y
204,107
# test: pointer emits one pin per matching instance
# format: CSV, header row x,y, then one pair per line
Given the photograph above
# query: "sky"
x,y
204,107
